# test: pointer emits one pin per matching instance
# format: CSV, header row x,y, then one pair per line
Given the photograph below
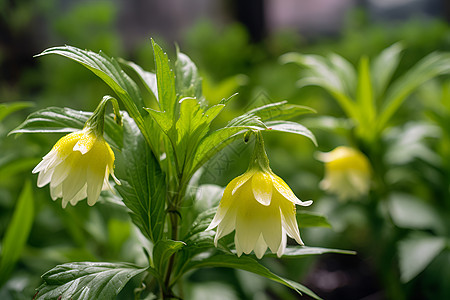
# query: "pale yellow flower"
x,y
347,172
260,207
78,166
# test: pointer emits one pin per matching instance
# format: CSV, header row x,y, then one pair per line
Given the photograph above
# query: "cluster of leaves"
x,y
400,151
164,146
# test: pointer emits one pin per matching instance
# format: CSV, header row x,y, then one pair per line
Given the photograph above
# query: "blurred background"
x,y
236,46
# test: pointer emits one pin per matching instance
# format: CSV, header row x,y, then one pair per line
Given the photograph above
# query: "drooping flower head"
x,y
79,164
347,172
260,207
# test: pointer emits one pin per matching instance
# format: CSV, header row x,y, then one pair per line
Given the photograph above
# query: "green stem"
x,y
96,122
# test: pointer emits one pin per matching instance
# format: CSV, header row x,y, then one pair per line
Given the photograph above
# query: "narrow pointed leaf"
x,y
148,78
163,250
17,232
9,108
109,71
296,252
165,79
187,79
291,127
248,264
433,65
280,111
384,66
310,219
57,120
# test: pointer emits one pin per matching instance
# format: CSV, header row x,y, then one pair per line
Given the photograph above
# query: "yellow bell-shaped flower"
x,y
79,164
260,207
347,172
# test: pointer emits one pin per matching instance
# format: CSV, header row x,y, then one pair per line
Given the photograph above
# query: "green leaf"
x,y
213,143
86,280
165,79
310,219
9,108
280,110
13,165
323,73
383,67
365,99
144,190
248,264
416,252
57,120
291,127
432,65
17,232
162,119
187,79
296,252
148,78
407,211
162,251
109,71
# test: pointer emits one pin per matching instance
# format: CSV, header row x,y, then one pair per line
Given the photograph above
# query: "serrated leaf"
x,y
17,232
8,108
57,120
143,191
163,250
165,79
310,219
86,280
280,110
248,264
291,127
109,71
416,252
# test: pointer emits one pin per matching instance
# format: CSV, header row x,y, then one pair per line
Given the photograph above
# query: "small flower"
x,y
260,207
347,172
78,166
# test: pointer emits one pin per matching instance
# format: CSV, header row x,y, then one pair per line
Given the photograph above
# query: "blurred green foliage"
x,y
229,63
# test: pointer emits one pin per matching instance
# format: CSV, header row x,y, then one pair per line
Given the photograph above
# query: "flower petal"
x,y
260,247
73,183
271,228
85,143
289,222
282,248
44,177
94,186
286,192
225,227
225,204
240,180
262,187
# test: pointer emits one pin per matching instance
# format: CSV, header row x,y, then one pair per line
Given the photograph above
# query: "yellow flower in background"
x,y
347,172
78,166
260,207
